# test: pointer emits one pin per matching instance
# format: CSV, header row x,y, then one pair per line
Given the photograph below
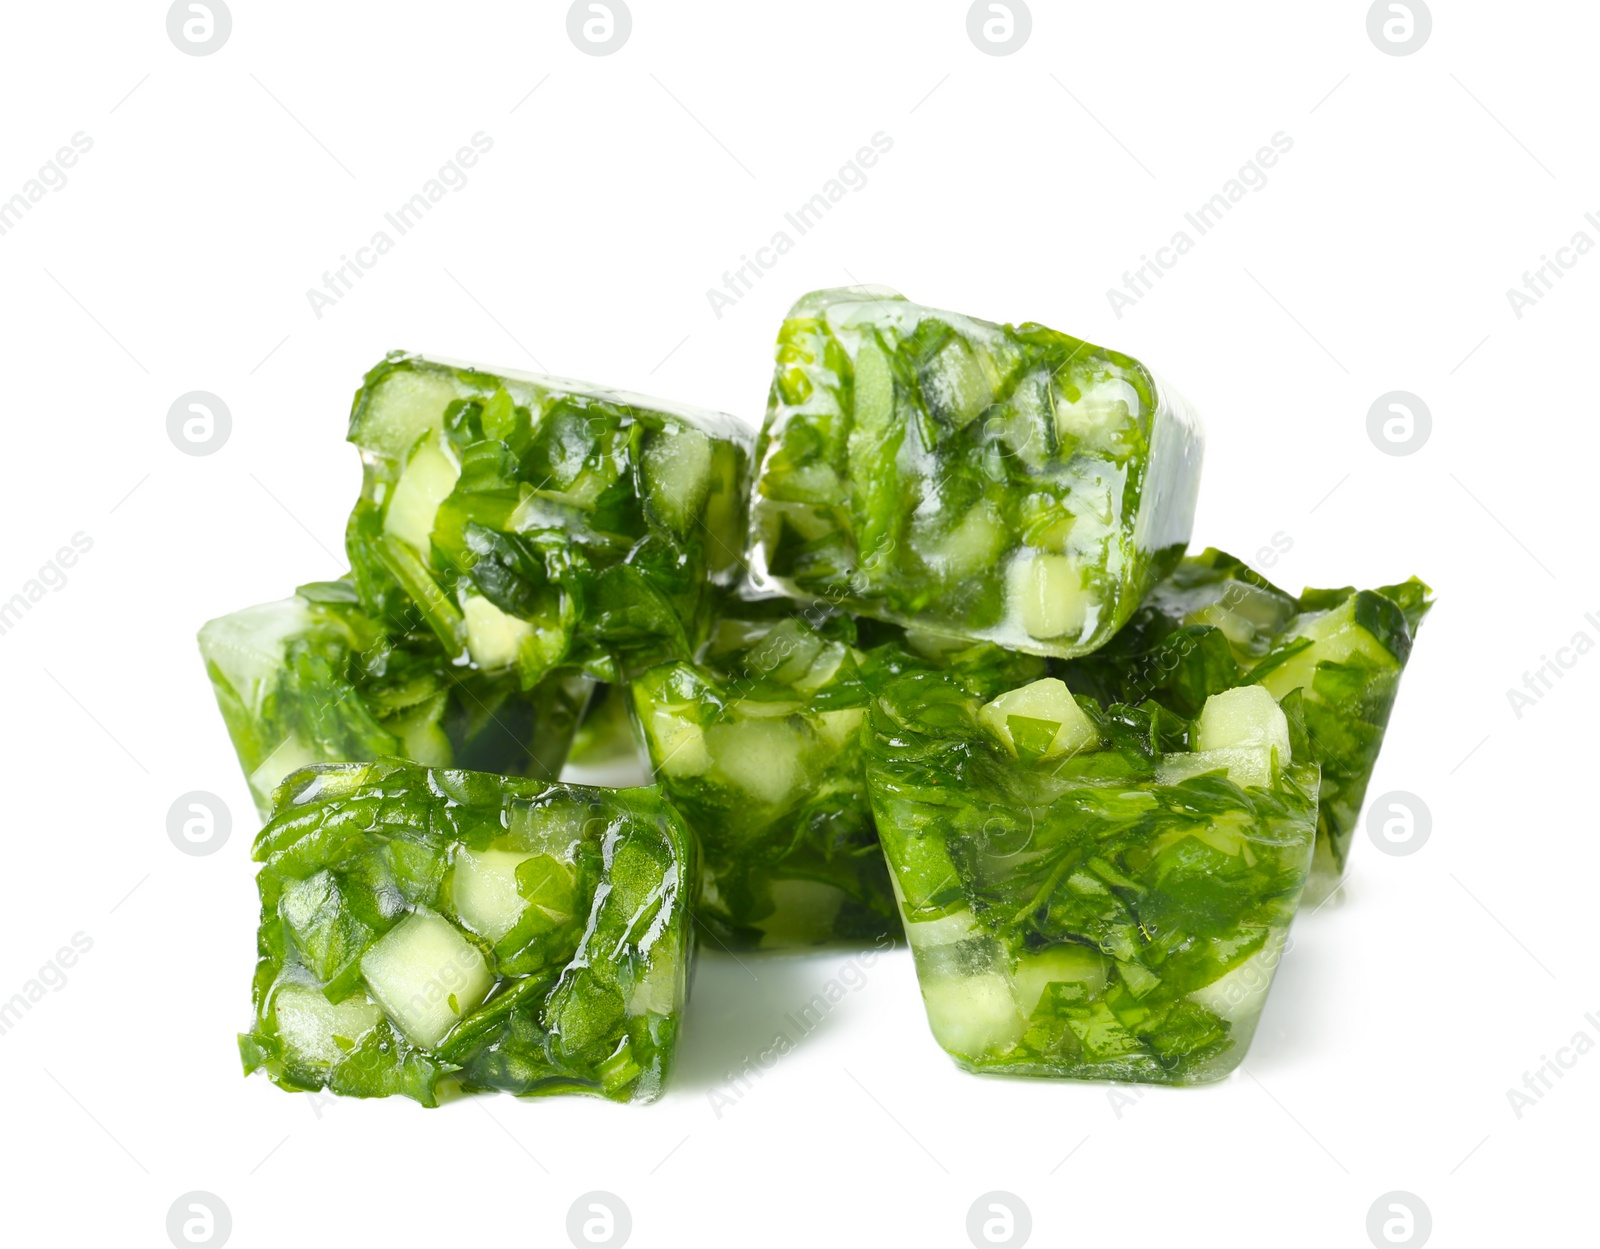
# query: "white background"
x,y
1376,258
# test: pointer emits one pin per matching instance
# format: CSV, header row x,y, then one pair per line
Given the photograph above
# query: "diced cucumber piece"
x,y
680,743
1245,612
1335,637
430,475
1244,716
972,1016
1239,995
405,405
316,1031
836,728
426,976
422,736
1047,596
1245,765
973,545
954,385
787,652
803,913
494,639
1048,702
761,757
294,754
1098,410
484,890
930,934
677,475
1059,964
822,670
248,646
660,989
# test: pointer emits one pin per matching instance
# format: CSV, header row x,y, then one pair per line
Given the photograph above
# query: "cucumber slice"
x,y
426,976
400,409
1245,766
317,1032
1047,596
762,757
973,545
295,753
1047,703
677,475
972,1016
248,646
803,913
494,639
661,987
835,729
1099,410
1247,715
430,475
955,386
680,743
1059,964
1335,638
1239,995
484,891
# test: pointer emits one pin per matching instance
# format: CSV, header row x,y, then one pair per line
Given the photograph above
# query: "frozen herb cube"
x,y
1001,483
537,522
423,928
1114,910
314,679
1215,625
759,746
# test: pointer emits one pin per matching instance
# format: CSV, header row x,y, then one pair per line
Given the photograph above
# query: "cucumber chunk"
x,y
318,1032
426,976
1047,597
1047,702
494,639
484,890
430,475
1246,716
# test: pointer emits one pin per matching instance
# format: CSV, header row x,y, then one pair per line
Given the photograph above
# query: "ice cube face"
x,y
1214,625
1106,914
536,522
423,926
1001,483
759,746
315,679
